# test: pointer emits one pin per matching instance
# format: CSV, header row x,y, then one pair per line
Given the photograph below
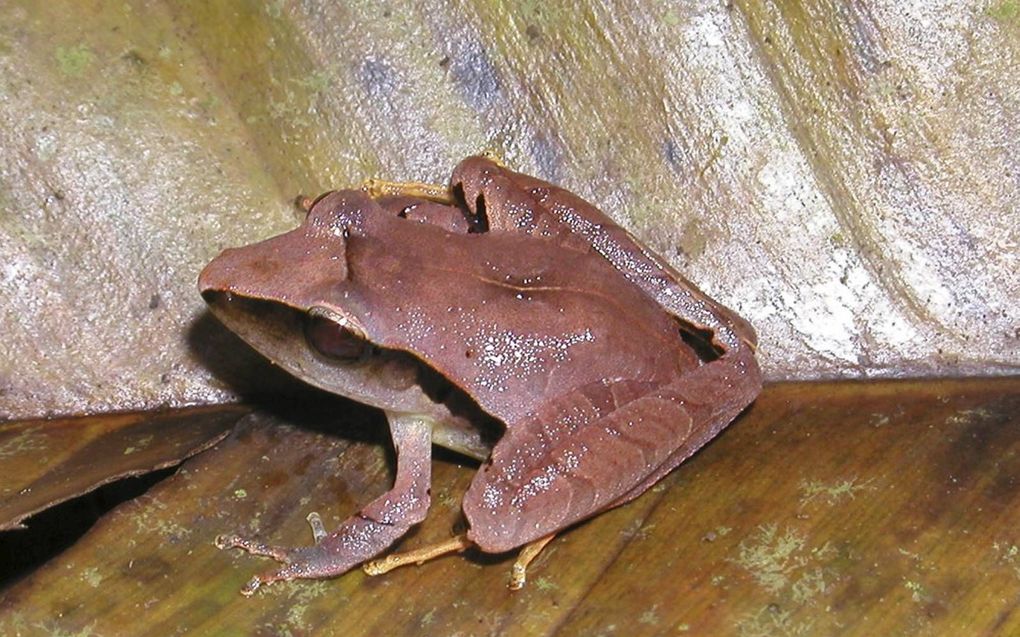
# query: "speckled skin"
x,y
535,308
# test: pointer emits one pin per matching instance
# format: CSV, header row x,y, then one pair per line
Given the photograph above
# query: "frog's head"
x,y
287,298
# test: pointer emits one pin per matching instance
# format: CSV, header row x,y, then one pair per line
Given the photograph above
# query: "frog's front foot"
x,y
358,539
296,564
304,561
364,535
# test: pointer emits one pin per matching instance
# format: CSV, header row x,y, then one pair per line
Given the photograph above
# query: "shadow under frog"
x,y
501,303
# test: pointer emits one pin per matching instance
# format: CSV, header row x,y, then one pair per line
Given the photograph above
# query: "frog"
x,y
499,316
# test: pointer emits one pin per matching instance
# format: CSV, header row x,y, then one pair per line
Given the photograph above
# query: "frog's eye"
x,y
341,340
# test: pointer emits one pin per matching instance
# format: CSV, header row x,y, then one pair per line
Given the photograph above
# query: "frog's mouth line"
x,y
391,380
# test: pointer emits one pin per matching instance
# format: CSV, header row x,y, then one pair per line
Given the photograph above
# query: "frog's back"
x,y
512,320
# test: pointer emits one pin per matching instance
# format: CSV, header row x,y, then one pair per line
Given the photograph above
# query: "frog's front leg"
x,y
367,533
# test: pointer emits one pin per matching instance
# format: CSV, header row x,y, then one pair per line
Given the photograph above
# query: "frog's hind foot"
x,y
432,192
278,553
519,571
417,556
318,528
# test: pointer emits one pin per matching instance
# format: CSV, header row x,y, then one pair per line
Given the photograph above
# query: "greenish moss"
x,y
810,584
13,624
1005,11
771,557
274,9
92,577
210,103
693,239
74,60
1009,555
142,444
918,593
21,443
427,618
300,597
831,493
967,416
56,631
148,524
546,12
649,617
771,621
318,81
545,584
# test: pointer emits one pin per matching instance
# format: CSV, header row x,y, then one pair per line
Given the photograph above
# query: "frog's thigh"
x,y
571,460
433,192
722,389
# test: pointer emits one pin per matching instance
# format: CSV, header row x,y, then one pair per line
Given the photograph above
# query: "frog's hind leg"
x,y
365,534
418,556
574,457
519,571
456,544
383,189
443,194
377,188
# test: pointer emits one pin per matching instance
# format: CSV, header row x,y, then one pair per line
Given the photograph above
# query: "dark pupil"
x,y
334,340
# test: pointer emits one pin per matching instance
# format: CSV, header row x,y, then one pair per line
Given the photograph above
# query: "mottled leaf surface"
x,y
845,176
837,509
49,461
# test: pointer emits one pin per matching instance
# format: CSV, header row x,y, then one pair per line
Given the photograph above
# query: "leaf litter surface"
x,y
832,508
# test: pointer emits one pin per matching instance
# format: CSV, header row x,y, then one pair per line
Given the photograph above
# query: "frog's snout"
x,y
235,270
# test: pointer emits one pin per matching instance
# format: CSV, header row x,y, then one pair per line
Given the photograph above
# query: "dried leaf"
x,y
49,461
727,544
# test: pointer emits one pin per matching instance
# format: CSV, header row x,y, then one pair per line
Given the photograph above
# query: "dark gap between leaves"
x,y
52,531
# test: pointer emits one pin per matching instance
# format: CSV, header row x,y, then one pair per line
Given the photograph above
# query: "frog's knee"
x,y
501,519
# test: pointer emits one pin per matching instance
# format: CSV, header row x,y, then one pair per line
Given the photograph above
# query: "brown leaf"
x,y
49,461
886,508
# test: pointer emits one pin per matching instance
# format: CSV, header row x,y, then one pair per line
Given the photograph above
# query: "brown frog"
x,y
500,308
